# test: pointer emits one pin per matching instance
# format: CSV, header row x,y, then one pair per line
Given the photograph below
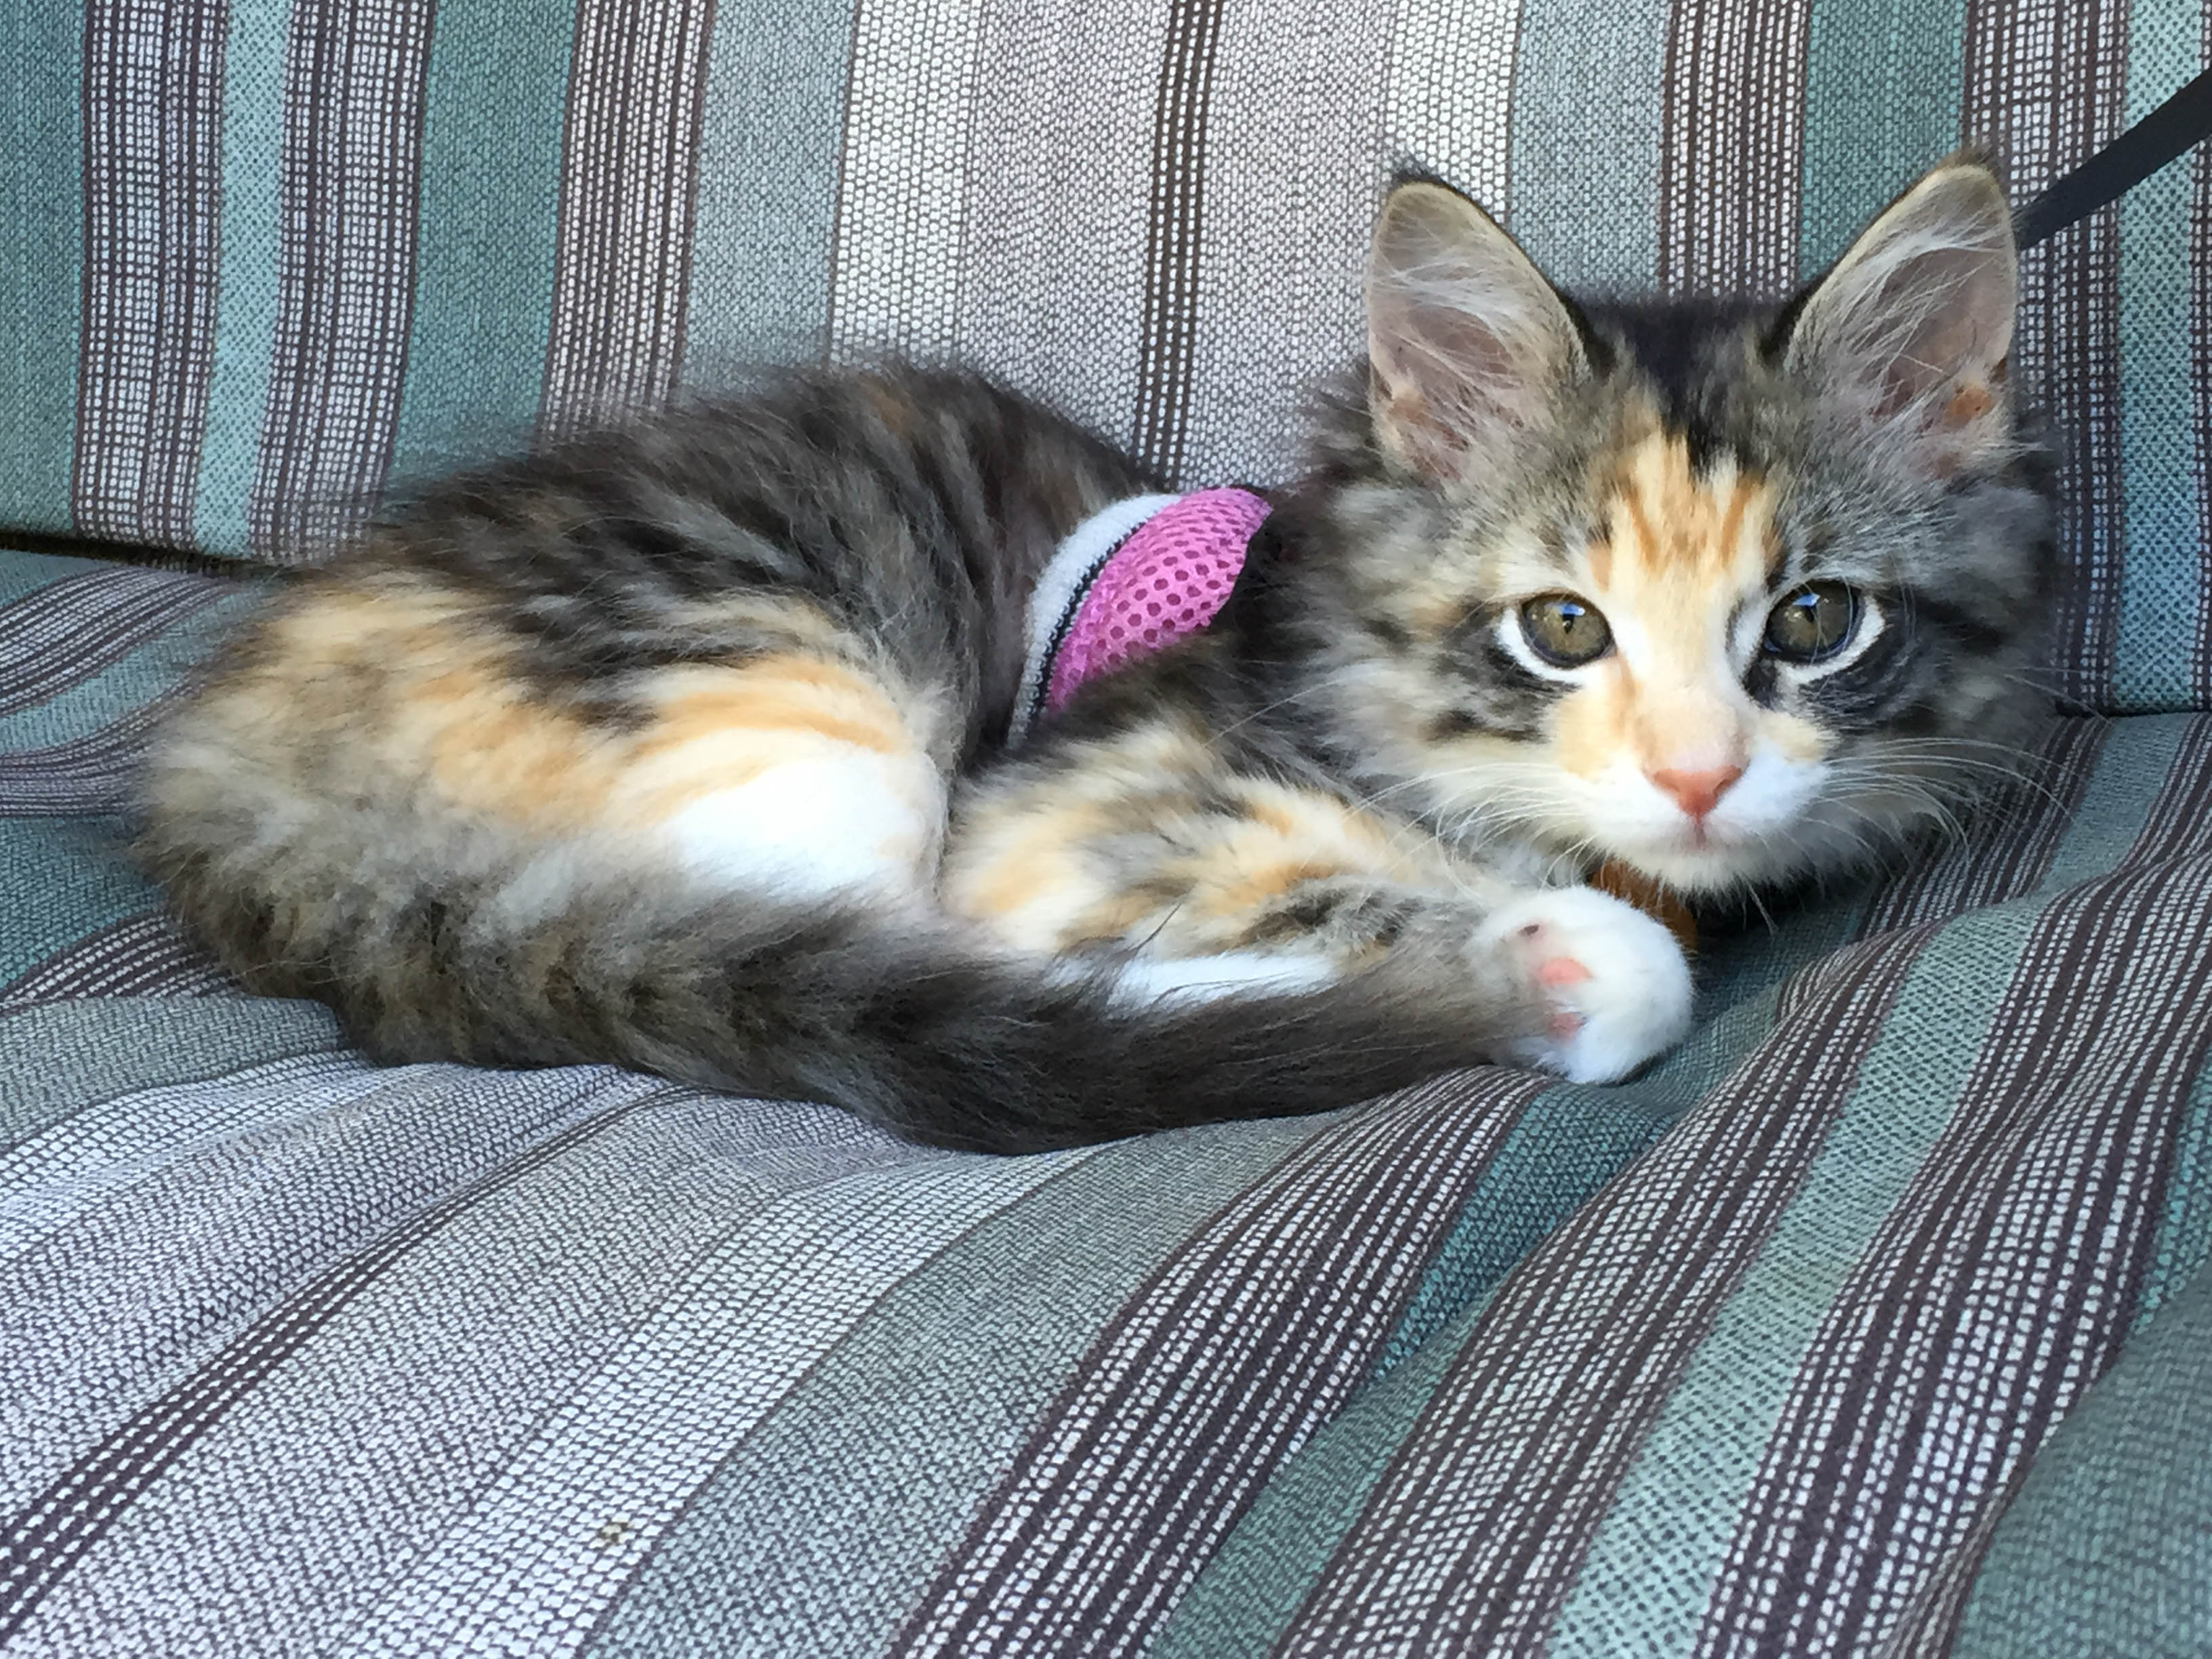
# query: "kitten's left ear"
x,y
1907,337
1467,345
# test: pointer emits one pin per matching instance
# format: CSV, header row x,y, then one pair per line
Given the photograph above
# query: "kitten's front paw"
x,y
1613,979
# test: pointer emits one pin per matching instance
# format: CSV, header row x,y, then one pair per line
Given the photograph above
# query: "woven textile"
x,y
1755,1354
262,261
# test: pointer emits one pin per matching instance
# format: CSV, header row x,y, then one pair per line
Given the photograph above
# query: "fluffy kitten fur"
x,y
684,748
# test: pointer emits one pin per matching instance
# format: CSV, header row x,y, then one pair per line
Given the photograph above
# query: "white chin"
x,y
1715,866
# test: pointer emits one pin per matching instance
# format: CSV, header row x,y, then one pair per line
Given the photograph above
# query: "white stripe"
x,y
902,190
52,1178
574,1514
1451,103
1295,167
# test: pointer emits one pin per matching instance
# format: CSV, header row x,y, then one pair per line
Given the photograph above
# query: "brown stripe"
x,y
1174,235
637,85
142,955
2046,85
64,633
87,776
152,186
1999,1285
1732,138
1477,1526
349,176
2016,834
1217,1369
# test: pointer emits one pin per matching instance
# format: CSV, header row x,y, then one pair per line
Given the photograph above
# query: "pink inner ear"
x,y
1447,386
1970,402
1922,339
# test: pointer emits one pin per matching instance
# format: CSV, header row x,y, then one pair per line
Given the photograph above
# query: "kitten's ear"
x,y
1466,343
1906,337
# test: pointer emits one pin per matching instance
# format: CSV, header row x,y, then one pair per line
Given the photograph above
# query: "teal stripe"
x,y
1568,1143
1571,1140
246,304
921,1407
488,225
126,685
23,573
1695,1470
1882,89
768,188
2183,1242
2107,1549
60,1057
41,255
2162,572
83,880
1585,164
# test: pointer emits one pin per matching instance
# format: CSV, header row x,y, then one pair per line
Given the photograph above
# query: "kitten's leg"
x,y
1216,883
1607,984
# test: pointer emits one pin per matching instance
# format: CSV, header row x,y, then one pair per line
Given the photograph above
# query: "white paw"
x,y
1614,980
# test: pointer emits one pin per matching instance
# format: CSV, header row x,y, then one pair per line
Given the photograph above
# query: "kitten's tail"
x,y
923,1034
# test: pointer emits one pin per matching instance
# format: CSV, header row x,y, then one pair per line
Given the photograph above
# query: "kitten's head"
x,y
1730,594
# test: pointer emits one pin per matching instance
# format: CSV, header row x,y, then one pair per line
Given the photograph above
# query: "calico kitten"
x,y
685,748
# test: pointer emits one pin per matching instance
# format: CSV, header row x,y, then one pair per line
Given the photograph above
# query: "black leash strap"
x,y
2181,122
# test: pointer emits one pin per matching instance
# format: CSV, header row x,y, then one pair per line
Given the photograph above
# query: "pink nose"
x,y
1696,793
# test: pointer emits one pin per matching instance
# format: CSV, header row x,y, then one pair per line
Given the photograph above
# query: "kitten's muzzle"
x,y
1697,791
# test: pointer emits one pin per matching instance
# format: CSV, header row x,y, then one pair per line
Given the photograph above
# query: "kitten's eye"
x,y
1563,630
1817,621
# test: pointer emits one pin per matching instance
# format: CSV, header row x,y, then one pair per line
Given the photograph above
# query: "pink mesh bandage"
x,y
1167,579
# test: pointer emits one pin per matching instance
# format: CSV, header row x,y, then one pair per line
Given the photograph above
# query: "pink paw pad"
x,y
1555,973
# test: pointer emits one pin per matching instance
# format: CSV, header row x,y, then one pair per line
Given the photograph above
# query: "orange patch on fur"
x,y
1633,886
790,695
1684,523
430,685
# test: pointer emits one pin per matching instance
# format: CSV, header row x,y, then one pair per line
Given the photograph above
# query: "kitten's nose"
x,y
1696,793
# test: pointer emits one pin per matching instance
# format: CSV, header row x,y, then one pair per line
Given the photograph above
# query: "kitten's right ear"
x,y
1466,343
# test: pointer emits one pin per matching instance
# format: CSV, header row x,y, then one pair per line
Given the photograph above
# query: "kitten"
x,y
684,748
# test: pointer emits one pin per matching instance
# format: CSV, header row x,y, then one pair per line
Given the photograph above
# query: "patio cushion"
x,y
262,263
1749,1354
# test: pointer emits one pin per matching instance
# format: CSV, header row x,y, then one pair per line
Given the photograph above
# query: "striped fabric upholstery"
x,y
1754,1355
261,260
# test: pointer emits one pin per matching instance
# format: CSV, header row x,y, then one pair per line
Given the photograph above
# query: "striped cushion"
x,y
1755,1354
260,260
